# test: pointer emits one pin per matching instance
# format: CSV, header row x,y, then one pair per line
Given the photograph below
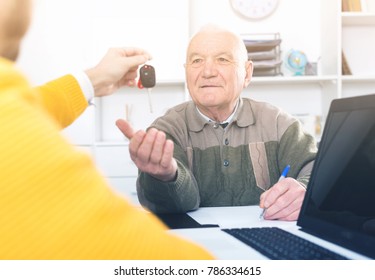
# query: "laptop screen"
x,y
340,201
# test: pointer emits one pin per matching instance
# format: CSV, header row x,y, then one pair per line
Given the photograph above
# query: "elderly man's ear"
x,y
249,73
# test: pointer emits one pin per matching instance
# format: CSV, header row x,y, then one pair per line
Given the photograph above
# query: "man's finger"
x,y
167,154
125,128
132,61
131,51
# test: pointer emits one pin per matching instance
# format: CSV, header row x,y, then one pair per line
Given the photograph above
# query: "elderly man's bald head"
x,y
211,29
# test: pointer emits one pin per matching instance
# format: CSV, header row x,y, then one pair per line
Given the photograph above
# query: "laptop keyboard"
x,y
278,244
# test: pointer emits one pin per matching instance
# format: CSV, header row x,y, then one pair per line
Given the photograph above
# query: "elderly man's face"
x,y
14,21
216,73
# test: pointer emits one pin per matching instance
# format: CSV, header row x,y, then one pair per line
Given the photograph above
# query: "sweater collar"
x,y
243,116
228,120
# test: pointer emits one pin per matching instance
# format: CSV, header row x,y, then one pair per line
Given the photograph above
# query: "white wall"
x,y
72,35
297,21
66,35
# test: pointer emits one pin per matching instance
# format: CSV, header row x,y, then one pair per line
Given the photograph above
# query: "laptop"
x,y
339,205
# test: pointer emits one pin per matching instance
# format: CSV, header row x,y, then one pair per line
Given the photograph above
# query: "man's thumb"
x,y
125,128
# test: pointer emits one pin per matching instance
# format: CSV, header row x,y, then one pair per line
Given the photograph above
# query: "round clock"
x,y
254,9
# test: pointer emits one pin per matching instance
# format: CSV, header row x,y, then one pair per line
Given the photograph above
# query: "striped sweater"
x,y
231,166
54,203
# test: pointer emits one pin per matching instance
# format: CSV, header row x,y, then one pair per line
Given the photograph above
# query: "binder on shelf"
x,y
345,66
345,6
352,5
355,5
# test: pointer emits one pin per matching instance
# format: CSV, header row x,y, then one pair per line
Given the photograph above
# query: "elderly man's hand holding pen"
x,y
283,200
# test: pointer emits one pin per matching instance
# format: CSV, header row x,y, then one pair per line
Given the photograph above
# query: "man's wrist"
x,y
166,178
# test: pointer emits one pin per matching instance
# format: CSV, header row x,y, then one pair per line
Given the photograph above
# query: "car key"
x,y
147,80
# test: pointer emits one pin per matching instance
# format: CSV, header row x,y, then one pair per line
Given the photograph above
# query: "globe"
x,y
296,62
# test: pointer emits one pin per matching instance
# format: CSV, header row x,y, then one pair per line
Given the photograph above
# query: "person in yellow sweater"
x,y
54,203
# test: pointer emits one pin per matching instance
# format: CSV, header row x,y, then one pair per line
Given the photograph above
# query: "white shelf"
x,y
111,143
293,80
267,80
358,78
170,82
357,18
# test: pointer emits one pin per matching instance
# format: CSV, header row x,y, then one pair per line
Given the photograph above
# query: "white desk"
x,y
223,246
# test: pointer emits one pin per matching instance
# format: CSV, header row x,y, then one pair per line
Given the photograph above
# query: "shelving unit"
x,y
335,27
357,40
293,80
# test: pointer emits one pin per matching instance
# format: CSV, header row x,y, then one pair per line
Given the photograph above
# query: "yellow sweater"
x,y
54,203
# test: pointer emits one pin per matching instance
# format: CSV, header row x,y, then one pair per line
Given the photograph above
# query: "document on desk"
x,y
233,217
223,217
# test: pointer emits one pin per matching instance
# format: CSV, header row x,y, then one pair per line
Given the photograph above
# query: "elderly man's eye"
x,y
223,60
197,62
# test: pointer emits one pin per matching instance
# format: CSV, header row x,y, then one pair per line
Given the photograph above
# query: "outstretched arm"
x,y
64,98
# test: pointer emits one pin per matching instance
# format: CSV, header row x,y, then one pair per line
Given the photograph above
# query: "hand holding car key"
x,y
147,80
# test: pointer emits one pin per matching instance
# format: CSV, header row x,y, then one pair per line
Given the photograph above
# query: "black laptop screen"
x,y
340,202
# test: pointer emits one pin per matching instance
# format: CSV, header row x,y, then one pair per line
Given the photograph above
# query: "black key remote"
x,y
147,76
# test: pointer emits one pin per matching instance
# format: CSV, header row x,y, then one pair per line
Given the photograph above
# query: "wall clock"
x,y
254,9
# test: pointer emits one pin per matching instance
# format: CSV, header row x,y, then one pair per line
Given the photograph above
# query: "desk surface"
x,y
224,246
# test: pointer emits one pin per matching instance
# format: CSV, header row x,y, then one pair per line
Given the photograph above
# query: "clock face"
x,y
254,9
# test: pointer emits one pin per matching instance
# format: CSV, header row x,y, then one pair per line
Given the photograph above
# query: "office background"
x,y
71,35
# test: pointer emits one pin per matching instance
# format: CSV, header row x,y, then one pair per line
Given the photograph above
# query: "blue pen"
x,y
283,175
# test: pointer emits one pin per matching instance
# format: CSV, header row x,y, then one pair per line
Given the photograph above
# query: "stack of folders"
x,y
265,55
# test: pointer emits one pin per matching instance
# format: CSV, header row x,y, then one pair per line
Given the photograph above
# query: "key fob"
x,y
147,76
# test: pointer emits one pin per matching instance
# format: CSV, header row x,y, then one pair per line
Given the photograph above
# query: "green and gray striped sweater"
x,y
231,166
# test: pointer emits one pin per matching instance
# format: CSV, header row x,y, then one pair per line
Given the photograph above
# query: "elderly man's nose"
x,y
209,68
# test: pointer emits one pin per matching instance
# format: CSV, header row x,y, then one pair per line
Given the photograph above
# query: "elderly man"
x,y
220,149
